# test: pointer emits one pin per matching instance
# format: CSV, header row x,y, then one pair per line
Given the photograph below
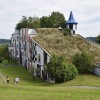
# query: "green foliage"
x,y
45,22
35,22
61,71
4,52
23,23
28,22
83,62
57,20
98,39
66,31
71,71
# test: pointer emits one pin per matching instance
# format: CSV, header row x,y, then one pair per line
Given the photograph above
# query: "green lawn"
x,y
22,92
35,89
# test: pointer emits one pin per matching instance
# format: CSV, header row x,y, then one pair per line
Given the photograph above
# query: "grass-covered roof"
x,y
56,43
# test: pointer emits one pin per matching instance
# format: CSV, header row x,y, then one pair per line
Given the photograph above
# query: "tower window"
x,y
71,27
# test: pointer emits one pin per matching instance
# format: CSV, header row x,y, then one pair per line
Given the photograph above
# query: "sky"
x,y
86,13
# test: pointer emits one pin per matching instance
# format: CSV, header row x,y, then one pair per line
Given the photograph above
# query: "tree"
x,y
37,22
45,22
61,71
30,22
23,23
4,52
57,20
98,39
83,62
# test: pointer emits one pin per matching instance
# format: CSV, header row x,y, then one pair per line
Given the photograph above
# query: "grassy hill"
x,y
4,41
35,89
91,38
30,88
55,43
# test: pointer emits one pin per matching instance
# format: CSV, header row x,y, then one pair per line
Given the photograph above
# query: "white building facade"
x,y
28,52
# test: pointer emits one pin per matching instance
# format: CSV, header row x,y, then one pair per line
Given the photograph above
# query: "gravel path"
x,y
85,87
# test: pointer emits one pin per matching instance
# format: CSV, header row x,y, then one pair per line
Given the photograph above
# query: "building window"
x,y
39,58
20,38
35,52
17,46
35,58
17,39
13,51
13,41
17,52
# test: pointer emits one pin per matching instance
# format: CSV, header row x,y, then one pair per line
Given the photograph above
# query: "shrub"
x,y
83,62
4,52
71,71
61,71
66,31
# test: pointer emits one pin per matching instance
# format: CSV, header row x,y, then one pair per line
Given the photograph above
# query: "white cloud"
x,y
86,13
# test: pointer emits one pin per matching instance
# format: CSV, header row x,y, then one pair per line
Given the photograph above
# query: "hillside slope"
x,y
55,43
91,38
4,41
83,87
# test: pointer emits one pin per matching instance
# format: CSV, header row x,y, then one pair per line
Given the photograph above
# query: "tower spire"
x,y
71,19
71,23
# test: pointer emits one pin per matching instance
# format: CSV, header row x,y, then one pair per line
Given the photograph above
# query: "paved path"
x,y
85,87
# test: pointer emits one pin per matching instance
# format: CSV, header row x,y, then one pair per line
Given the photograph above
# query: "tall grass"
x,y
56,43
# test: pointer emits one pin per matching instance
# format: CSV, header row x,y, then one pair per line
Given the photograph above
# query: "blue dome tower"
x,y
71,23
